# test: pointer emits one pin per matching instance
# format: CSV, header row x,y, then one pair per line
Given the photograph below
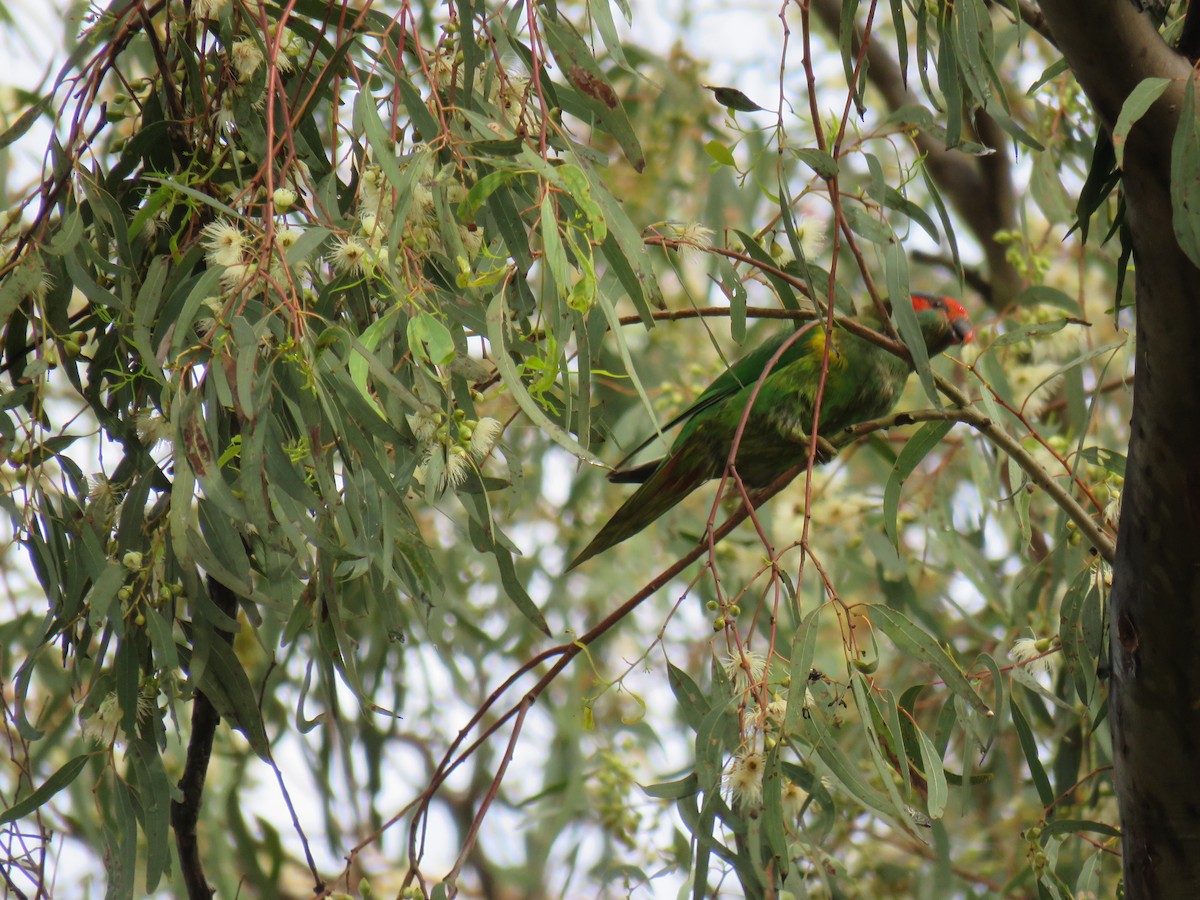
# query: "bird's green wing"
x,y
740,375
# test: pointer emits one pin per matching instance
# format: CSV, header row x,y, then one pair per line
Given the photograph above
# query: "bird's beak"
x,y
963,331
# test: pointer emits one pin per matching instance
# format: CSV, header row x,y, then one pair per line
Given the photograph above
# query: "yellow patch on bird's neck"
x,y
836,358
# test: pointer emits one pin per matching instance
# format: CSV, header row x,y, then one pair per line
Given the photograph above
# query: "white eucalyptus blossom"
x,y
811,235
458,467
744,670
1032,654
103,727
246,57
285,238
744,779
152,428
226,121
370,189
40,285
100,488
777,708
348,256
794,798
208,9
1033,386
223,242
690,234
483,437
424,424
1112,511
293,44
236,276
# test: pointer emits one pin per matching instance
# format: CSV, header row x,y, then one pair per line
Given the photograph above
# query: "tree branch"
x,y
185,813
1003,441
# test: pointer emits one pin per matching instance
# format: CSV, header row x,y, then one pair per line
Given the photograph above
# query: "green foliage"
x,y
309,315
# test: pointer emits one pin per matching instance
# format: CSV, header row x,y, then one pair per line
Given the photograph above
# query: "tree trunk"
x,y
1154,694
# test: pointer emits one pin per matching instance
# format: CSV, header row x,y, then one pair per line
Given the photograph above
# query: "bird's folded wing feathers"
x,y
737,377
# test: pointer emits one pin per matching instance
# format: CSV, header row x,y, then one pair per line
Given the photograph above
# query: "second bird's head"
x,y
955,325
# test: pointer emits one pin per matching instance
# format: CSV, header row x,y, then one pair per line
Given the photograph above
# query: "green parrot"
x,y
864,382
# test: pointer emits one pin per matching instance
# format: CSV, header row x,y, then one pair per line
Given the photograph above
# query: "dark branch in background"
x,y
185,813
971,276
1189,40
980,190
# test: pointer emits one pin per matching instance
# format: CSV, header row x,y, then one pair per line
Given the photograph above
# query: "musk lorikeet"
x,y
864,382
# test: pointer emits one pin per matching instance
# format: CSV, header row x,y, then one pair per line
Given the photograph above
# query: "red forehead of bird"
x,y
952,308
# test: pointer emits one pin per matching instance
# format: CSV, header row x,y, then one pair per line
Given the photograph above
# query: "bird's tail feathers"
x,y
661,489
634,474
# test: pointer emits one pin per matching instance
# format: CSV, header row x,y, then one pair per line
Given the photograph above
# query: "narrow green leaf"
x,y
1185,176
1136,105
24,121
1015,131
154,799
732,98
429,339
900,26
919,446
555,253
867,226
1029,748
896,271
122,841
414,104
483,189
1074,826
672,790
943,217
787,295
1070,615
721,153
602,15
591,88
514,587
802,651
1105,459
693,703
877,738
66,773
893,199
846,771
196,195
949,79
66,235
512,378
819,161
916,644
771,822
935,776
225,683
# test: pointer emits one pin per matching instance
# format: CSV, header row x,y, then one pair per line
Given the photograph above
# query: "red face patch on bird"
x,y
954,311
